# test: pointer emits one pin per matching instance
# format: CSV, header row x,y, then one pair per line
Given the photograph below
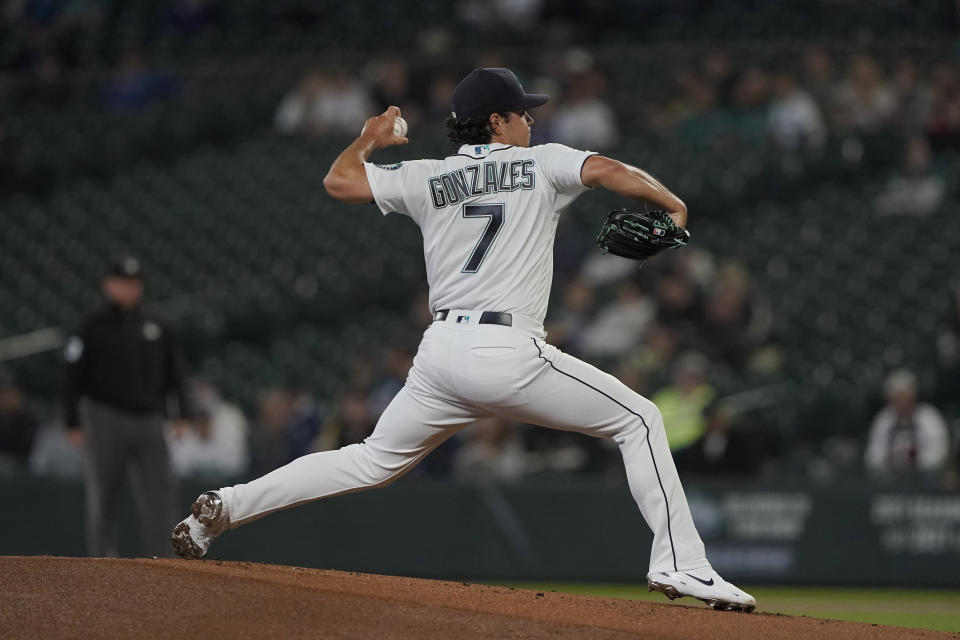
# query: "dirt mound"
x,y
46,597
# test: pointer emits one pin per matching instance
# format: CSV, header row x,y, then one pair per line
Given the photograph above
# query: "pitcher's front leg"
x,y
565,393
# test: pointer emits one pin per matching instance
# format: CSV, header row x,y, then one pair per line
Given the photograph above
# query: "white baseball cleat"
x,y
208,518
704,584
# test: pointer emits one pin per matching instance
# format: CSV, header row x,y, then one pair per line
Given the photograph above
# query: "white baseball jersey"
x,y
488,215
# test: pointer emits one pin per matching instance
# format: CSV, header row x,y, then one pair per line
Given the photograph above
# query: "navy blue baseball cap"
x,y
485,91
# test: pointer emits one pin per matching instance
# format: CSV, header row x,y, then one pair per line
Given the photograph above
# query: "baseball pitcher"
x,y
488,214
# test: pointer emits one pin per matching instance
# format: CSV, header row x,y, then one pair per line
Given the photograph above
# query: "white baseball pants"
x,y
465,371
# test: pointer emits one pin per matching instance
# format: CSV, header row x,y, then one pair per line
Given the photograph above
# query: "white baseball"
x,y
399,127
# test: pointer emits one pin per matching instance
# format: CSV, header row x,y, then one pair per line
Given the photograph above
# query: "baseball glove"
x,y
640,235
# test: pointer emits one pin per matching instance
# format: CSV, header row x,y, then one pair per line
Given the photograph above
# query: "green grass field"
x,y
923,609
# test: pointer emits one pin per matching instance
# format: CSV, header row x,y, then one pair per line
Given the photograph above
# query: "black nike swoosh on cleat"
x,y
708,583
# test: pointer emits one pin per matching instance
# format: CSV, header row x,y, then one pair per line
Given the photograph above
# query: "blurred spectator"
x,y
653,357
699,116
567,322
320,105
660,118
906,437
914,98
718,73
215,445
492,450
948,349
630,371
514,15
305,421
819,78
351,423
585,120
134,85
397,361
270,442
391,85
943,127
18,425
695,263
916,190
56,455
620,325
679,305
569,248
749,105
683,402
864,101
723,448
437,107
734,323
599,269
794,119
566,454
297,112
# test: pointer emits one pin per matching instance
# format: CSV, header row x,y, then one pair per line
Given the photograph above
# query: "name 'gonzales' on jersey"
x,y
480,179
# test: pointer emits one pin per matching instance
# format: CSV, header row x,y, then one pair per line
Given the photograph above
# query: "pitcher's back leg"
x,y
412,426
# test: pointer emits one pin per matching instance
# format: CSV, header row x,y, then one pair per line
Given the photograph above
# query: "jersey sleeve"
x,y
561,166
387,184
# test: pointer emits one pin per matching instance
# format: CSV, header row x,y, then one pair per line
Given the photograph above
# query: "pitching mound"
x,y
46,597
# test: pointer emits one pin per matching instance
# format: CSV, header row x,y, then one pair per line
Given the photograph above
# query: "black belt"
x,y
487,317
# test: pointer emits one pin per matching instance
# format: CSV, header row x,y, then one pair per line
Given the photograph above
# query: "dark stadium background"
x,y
824,257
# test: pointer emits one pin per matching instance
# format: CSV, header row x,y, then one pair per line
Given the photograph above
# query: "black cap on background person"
x,y
126,267
491,90
123,283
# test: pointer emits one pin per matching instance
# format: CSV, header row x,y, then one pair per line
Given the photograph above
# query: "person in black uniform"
x,y
122,368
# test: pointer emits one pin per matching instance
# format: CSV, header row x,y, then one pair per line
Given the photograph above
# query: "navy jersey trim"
x,y
480,157
589,155
649,446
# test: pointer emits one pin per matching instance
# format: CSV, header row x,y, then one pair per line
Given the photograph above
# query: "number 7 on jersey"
x,y
495,213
